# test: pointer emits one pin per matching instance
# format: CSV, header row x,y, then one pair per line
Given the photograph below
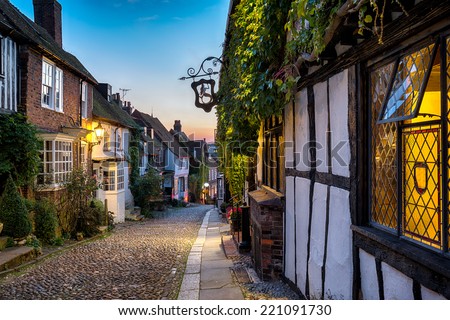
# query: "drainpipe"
x,y
115,142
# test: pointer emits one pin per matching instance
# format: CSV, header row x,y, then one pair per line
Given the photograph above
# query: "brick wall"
x,y
31,94
266,219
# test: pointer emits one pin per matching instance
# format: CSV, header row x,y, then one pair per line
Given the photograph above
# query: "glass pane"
x,y
383,154
409,80
448,138
421,196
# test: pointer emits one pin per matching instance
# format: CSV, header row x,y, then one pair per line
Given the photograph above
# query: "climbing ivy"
x,y
19,150
266,43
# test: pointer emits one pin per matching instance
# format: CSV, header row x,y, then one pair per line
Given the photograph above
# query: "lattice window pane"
x,y
448,138
421,194
383,154
409,82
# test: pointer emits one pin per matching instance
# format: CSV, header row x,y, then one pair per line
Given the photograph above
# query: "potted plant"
x,y
234,216
223,207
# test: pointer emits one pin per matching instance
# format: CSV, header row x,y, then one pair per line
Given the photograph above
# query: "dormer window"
x,y
52,86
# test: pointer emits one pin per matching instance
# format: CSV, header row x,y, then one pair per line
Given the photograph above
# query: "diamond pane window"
x,y
384,173
409,137
407,86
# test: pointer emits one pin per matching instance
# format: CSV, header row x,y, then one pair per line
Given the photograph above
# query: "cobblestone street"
x,y
139,260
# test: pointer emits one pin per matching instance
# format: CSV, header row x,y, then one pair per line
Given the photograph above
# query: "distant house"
x,y
110,156
170,157
49,85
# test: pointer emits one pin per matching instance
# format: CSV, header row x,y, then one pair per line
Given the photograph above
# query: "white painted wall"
x,y
301,130
369,279
321,123
339,264
339,124
289,242
397,286
302,192
317,241
116,204
428,294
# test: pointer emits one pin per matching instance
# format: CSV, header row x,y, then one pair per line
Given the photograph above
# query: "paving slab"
x,y
210,264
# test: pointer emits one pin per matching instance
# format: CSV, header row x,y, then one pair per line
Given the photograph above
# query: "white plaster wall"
x,y
321,122
289,136
289,246
397,286
302,187
129,200
428,294
369,280
301,130
317,240
339,124
116,204
339,264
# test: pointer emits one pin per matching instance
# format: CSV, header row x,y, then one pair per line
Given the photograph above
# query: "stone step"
x,y
15,256
134,217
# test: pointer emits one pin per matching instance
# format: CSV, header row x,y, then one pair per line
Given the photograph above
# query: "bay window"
x,y
56,162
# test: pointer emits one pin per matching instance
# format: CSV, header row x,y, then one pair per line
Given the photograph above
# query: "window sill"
x,y
412,260
51,109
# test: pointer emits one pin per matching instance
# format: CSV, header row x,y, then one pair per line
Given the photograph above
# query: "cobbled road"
x,y
139,260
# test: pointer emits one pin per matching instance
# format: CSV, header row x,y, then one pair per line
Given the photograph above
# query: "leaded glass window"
x,y
407,145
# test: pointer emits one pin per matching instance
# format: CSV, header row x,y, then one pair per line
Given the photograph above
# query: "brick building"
x,y
49,85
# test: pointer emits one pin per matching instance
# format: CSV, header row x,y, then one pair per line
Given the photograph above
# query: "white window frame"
x,y
113,177
84,100
57,162
52,86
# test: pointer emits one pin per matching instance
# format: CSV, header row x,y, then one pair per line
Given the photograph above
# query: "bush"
x,y
13,212
147,189
45,221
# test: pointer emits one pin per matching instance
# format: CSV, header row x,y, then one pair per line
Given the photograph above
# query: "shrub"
x,y
13,212
45,220
147,189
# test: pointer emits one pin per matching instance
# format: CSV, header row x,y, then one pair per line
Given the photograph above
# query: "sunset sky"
x,y
145,46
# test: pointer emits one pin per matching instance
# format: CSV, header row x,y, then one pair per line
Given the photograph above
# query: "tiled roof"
x,y
25,30
161,131
111,112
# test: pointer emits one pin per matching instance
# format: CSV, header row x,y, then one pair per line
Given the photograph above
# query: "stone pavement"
x,y
208,271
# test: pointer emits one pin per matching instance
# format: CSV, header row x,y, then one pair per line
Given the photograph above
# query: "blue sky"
x,y
145,46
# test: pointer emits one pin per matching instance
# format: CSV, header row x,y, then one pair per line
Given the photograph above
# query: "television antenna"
x,y
124,92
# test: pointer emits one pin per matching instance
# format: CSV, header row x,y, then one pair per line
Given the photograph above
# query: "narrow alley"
x,y
140,260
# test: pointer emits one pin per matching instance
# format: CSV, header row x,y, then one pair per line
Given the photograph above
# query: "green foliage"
x,y
33,241
19,150
146,189
45,220
73,209
133,151
13,212
253,54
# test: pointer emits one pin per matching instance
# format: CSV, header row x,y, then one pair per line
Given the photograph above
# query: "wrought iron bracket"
x,y
205,96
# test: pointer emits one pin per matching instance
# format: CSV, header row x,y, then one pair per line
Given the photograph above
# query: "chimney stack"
x,y
47,14
177,126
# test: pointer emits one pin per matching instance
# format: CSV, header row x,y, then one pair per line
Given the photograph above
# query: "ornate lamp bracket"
x,y
205,96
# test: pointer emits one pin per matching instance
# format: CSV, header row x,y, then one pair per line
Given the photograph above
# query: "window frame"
x,y
53,160
53,81
84,100
442,41
273,164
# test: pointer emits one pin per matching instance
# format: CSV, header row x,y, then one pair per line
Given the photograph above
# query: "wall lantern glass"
x,y
99,132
